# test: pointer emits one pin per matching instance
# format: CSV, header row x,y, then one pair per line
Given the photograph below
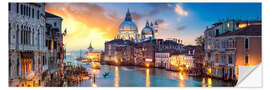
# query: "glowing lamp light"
x,y
94,71
116,61
187,65
147,65
242,25
94,85
228,25
209,70
181,68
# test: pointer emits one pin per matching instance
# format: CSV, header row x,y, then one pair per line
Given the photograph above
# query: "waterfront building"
x,y
230,44
169,45
54,40
112,54
26,43
177,40
180,61
128,49
92,56
162,59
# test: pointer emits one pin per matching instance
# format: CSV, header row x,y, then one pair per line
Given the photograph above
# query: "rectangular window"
x,y
9,33
234,44
9,6
22,36
17,7
217,32
17,35
33,13
25,10
29,11
216,58
246,59
21,9
38,14
246,43
230,59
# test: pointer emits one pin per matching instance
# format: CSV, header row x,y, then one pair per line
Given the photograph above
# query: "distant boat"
x,y
106,74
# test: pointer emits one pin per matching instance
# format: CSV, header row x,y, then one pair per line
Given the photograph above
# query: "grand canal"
x,y
131,76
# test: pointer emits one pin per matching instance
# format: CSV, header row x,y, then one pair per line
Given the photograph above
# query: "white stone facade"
x,y
26,38
162,59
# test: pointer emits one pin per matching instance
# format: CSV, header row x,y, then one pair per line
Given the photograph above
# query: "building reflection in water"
x,y
209,82
181,77
147,80
116,76
203,82
94,85
95,73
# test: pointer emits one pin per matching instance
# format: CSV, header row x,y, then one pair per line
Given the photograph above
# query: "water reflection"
x,y
209,82
142,77
147,80
95,73
94,85
116,76
203,82
181,77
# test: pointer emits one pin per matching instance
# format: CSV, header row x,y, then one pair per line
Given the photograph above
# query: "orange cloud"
x,y
84,23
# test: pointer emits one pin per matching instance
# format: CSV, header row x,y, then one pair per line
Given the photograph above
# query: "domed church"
x,y
128,29
147,32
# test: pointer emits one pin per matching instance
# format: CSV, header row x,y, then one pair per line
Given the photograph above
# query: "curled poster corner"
x,y
250,76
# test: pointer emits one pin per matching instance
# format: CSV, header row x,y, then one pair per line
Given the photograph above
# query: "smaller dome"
x,y
147,31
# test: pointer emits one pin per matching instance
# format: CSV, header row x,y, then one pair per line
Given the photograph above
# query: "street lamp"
x,y
147,65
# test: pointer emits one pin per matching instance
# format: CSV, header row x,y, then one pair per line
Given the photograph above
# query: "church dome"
x,y
147,30
127,26
128,29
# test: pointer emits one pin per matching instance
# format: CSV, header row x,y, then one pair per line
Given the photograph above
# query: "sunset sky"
x,y
99,22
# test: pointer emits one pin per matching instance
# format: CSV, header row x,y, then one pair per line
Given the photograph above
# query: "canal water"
x,y
132,76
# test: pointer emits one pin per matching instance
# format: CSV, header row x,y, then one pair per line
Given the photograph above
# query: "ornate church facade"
x,y
128,30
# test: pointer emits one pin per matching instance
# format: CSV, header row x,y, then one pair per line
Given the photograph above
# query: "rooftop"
x,y
251,30
51,15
